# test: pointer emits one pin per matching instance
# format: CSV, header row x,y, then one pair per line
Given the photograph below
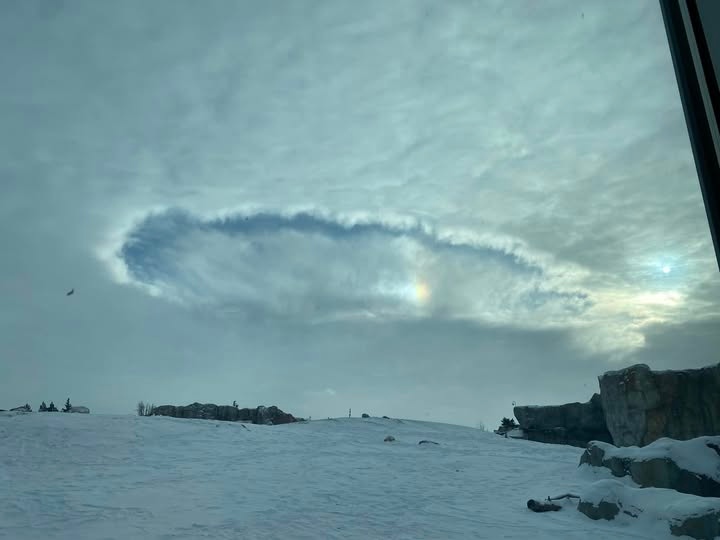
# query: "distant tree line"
x,y
52,408
145,409
46,408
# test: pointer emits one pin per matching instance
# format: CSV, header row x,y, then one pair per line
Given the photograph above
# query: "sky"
x,y
414,209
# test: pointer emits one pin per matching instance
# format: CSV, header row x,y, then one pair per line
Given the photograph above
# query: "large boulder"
x,y
642,406
575,424
686,466
23,408
228,413
685,515
80,409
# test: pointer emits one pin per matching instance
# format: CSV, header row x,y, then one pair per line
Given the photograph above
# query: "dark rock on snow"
x,y
575,424
365,415
428,442
705,526
642,406
389,438
228,413
542,506
602,510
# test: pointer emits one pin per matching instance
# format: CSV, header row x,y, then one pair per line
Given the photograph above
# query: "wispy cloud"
x,y
313,267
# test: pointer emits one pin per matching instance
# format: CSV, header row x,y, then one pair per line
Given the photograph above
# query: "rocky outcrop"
x,y
599,510
691,467
80,409
704,526
642,406
210,411
23,408
684,515
575,424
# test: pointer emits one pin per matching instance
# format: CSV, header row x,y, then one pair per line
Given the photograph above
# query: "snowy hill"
x,y
102,477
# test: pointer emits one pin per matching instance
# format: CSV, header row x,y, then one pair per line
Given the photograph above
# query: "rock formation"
x,y
642,405
228,413
575,424
79,409
23,408
691,467
685,515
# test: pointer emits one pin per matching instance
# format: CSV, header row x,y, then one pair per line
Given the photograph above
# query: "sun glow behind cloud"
x,y
663,298
422,292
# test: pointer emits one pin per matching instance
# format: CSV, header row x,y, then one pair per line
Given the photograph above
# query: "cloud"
x,y
695,342
315,267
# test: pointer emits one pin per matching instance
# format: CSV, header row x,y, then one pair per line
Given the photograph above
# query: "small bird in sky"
x,y
70,292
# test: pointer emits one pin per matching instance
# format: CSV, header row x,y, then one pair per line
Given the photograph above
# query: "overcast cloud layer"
x,y
411,208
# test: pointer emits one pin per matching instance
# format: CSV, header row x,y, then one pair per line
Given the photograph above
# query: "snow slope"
x,y
103,477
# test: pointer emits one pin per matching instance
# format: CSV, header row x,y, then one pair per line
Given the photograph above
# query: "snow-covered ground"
x,y
101,477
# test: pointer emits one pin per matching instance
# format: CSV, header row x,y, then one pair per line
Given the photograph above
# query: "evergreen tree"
x,y
43,407
67,406
52,407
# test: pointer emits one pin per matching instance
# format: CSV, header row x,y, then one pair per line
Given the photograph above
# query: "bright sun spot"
x,y
668,298
422,291
666,269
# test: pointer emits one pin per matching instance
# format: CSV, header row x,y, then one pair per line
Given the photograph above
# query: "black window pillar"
x,y
688,24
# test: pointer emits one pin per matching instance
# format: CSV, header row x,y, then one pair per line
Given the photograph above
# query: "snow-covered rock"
x,y
687,466
685,515
80,409
23,408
